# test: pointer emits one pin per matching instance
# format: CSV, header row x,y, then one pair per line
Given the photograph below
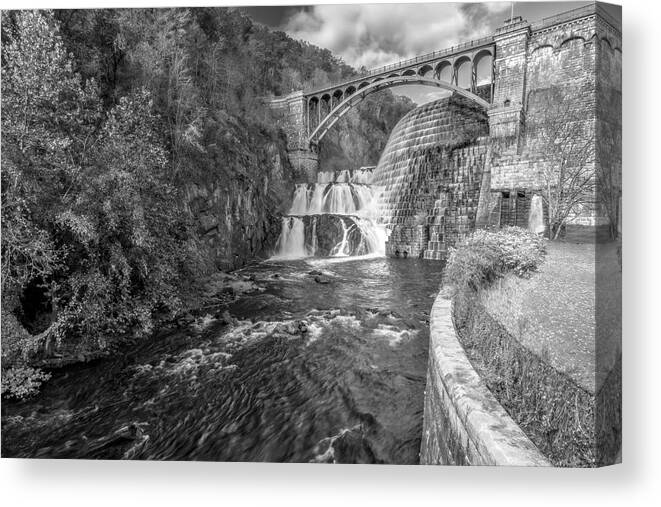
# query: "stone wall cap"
x,y
496,110
509,30
493,432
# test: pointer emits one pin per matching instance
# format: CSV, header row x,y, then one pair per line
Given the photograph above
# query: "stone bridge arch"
x,y
351,100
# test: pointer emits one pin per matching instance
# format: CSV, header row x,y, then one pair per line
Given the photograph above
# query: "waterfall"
x,y
316,204
342,248
300,202
313,250
291,243
365,197
335,216
339,200
536,216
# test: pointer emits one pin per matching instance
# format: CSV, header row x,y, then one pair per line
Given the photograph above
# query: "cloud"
x,y
421,94
372,35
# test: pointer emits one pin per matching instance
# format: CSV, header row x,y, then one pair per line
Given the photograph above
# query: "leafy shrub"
x,y
486,255
22,381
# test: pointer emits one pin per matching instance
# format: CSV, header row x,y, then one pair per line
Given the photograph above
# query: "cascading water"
x,y
430,174
292,238
336,216
536,216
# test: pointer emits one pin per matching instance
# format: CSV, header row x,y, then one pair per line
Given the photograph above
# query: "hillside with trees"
x,y
137,158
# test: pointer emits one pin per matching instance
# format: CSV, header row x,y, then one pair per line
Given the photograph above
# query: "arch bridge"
x,y
467,69
498,72
341,108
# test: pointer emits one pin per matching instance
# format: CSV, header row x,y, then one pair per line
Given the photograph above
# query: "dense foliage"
x,y
486,255
92,246
107,117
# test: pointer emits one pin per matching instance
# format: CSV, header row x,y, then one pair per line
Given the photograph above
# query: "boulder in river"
x,y
287,328
322,279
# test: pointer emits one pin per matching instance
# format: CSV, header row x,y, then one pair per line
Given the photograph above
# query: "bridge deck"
x,y
418,60
574,14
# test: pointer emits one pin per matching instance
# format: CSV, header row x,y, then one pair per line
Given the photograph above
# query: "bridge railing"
x,y
405,63
577,13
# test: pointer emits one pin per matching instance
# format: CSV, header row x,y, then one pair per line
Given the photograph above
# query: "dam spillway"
x,y
333,217
429,176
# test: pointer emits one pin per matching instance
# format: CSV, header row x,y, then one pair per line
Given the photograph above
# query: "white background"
x,y
635,482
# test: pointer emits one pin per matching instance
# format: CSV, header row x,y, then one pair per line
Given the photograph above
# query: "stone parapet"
x,y
463,422
291,114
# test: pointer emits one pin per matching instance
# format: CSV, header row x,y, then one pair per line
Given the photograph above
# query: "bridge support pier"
x,y
292,116
506,116
306,163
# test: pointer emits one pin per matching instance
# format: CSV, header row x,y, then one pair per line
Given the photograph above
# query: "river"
x,y
307,372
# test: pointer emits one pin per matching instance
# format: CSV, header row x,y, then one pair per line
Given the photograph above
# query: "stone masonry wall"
x,y
458,190
463,423
609,121
291,115
572,68
557,57
430,173
506,117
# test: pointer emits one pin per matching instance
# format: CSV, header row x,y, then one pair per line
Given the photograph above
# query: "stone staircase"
x,y
452,217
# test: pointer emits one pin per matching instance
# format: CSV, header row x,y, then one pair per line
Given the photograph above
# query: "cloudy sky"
x,y
372,35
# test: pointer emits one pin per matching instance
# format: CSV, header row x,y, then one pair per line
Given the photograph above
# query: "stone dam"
x,y
482,157
429,175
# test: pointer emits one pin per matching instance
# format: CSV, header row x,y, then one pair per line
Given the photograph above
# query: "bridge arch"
x,y
336,98
483,67
443,71
463,72
354,99
424,70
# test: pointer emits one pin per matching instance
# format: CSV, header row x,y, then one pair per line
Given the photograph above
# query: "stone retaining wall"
x,y
463,422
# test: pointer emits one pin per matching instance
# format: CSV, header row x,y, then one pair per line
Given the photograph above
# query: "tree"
x,y
565,140
126,236
165,48
609,175
48,124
